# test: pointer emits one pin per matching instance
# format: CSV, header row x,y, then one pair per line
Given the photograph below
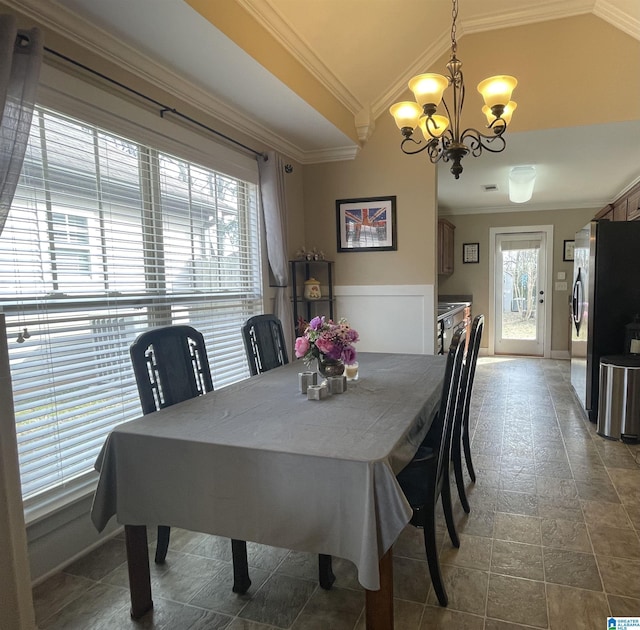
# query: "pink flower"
x,y
325,346
302,346
326,339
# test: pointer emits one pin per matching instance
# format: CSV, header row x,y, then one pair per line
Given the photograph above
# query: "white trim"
x,y
68,561
41,506
548,230
528,207
614,16
274,23
390,318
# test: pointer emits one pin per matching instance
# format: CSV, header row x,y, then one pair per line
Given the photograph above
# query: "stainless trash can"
x,y
619,398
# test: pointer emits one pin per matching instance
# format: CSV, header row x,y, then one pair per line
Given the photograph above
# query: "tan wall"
x,y
380,169
474,278
563,66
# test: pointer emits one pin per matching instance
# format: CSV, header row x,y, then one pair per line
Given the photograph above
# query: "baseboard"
x,y
562,355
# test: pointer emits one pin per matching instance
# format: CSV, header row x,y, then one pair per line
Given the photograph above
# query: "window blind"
x,y
107,237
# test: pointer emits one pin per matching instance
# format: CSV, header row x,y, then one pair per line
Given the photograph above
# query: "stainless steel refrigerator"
x,y
605,298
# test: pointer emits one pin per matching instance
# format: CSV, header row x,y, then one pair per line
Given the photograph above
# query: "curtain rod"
x,y
163,108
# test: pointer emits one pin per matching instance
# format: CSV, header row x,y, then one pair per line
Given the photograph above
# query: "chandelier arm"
x,y
435,152
479,141
417,143
440,148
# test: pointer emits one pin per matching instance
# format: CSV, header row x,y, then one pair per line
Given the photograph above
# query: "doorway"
x,y
521,303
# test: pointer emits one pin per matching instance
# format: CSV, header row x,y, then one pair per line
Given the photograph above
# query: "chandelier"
x,y
444,140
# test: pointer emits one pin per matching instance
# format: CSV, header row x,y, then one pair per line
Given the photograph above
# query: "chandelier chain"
x,y
454,16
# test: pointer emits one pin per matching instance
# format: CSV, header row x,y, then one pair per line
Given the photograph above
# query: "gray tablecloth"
x,y
258,461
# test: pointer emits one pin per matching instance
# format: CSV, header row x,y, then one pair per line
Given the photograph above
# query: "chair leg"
x,y
241,581
325,573
431,549
162,545
448,512
467,450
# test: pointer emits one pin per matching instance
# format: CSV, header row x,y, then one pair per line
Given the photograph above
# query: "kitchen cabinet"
x,y
626,208
620,210
446,247
322,271
633,205
606,213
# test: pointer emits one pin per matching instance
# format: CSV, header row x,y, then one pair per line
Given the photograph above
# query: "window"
x,y
107,237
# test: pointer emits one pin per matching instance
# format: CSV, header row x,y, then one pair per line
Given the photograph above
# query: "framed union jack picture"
x,y
366,225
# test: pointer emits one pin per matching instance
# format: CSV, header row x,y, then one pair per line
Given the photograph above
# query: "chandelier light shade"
x,y
443,138
521,182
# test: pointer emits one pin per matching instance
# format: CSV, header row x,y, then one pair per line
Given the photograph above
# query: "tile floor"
x,y
551,541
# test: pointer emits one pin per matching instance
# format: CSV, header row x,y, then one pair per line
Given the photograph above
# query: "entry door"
x,y
520,293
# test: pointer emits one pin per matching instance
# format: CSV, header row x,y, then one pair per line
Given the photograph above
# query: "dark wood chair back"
x,y
449,402
170,365
264,343
469,367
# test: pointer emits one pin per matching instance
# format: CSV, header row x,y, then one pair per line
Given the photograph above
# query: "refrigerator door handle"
x,y
576,301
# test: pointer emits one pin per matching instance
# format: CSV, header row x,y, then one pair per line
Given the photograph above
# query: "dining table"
x,y
258,461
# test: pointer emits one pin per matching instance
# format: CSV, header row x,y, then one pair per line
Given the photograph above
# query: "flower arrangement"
x,y
325,339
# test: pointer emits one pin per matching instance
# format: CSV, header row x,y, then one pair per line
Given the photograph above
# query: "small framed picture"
x,y
470,252
567,251
366,225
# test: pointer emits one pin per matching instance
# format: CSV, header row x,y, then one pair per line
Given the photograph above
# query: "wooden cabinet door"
x,y
445,247
620,210
633,206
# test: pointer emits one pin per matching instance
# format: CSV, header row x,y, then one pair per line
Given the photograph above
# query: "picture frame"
x,y
470,253
367,224
567,251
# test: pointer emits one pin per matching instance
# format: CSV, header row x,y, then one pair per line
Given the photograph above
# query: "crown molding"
x,y
122,55
268,17
523,207
623,21
435,50
537,12
338,154
552,11
542,12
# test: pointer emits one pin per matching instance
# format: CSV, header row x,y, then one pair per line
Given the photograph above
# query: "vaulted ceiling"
x,y
311,78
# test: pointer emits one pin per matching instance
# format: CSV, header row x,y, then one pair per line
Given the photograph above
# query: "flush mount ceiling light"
x,y
444,140
521,182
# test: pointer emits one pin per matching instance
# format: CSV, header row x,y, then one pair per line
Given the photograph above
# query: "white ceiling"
x,y
362,51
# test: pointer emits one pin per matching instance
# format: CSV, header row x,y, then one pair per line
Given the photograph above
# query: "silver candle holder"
x,y
337,384
317,392
306,379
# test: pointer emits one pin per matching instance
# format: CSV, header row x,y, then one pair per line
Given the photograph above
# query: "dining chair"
x,y
170,365
461,439
264,343
265,347
426,476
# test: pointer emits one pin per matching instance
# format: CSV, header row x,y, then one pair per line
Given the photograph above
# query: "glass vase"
x,y
330,367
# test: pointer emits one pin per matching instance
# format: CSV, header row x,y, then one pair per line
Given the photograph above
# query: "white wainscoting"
x,y
390,318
